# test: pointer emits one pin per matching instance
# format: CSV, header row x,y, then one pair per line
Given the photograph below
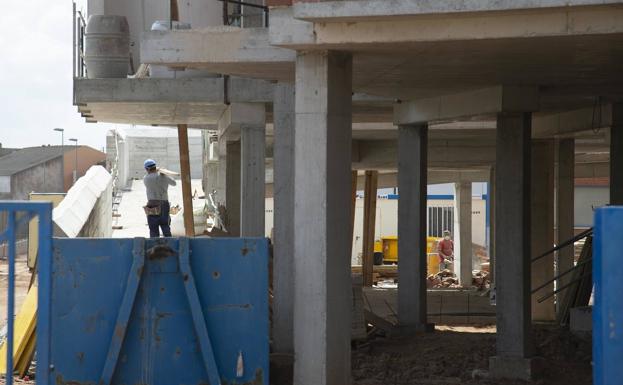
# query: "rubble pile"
x,y
445,279
481,279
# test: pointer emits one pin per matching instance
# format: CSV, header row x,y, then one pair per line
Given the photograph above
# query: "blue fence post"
x,y
11,300
44,255
608,308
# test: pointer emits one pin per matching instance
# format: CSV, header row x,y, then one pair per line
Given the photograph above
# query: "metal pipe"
x,y
265,8
565,287
583,234
561,274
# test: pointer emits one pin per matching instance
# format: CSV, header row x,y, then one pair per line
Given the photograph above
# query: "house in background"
x,y
44,169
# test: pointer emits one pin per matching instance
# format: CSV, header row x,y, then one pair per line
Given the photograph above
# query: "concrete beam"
x,y
332,11
148,90
237,115
383,154
567,123
484,101
357,33
215,49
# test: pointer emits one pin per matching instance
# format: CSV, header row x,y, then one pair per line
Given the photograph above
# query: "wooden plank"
x,y
189,222
369,221
25,322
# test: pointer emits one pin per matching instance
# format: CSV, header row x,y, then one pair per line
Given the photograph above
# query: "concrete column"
x,y
322,178
491,198
412,177
210,163
616,155
463,232
512,247
564,210
232,188
253,183
542,229
283,235
221,178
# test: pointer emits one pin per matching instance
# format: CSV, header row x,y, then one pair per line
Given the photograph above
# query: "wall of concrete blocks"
x,y
99,224
133,150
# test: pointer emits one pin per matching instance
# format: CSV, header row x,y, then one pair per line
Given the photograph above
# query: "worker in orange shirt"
x,y
446,251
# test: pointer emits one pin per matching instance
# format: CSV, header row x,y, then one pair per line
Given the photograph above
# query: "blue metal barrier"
x,y
608,308
146,311
28,210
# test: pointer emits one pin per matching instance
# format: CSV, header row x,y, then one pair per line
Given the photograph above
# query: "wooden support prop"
x,y
189,222
369,220
353,193
175,11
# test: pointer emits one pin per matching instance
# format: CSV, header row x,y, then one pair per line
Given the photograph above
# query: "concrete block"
x,y
526,369
581,321
74,211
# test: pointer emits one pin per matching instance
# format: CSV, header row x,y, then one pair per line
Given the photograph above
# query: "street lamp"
x,y
62,131
76,163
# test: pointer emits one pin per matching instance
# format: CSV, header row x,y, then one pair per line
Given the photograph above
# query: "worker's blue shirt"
x,y
157,185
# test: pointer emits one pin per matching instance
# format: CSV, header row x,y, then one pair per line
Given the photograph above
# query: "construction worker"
x,y
446,251
157,208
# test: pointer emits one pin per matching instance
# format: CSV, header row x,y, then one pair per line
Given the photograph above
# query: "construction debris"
x,y
445,279
481,279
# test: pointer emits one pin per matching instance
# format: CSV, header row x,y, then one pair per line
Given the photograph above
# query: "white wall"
x,y
5,184
387,221
588,198
162,147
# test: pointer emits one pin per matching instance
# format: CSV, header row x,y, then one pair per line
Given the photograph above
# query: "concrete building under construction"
x,y
310,101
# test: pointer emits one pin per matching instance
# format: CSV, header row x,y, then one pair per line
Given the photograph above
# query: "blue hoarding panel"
x,y
608,308
159,311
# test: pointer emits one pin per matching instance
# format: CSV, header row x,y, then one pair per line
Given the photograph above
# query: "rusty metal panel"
x,y
159,311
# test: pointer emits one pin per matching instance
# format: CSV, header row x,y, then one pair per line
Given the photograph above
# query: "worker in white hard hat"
x,y
446,251
158,207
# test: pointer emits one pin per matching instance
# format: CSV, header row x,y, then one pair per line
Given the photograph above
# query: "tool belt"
x,y
153,207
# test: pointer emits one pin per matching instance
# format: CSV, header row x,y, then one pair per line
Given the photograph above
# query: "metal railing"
x,y
79,25
29,210
236,18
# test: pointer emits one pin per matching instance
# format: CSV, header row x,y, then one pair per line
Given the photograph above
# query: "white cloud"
x,y
36,76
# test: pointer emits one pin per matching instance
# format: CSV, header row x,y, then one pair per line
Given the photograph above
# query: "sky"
x,y
36,77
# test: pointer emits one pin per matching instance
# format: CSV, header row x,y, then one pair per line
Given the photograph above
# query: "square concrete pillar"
x,y
232,187
512,247
616,155
322,184
542,229
463,232
221,177
491,203
565,166
253,182
283,232
412,184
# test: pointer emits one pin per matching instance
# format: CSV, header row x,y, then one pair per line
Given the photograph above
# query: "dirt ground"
x,y
454,355
22,280
451,355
